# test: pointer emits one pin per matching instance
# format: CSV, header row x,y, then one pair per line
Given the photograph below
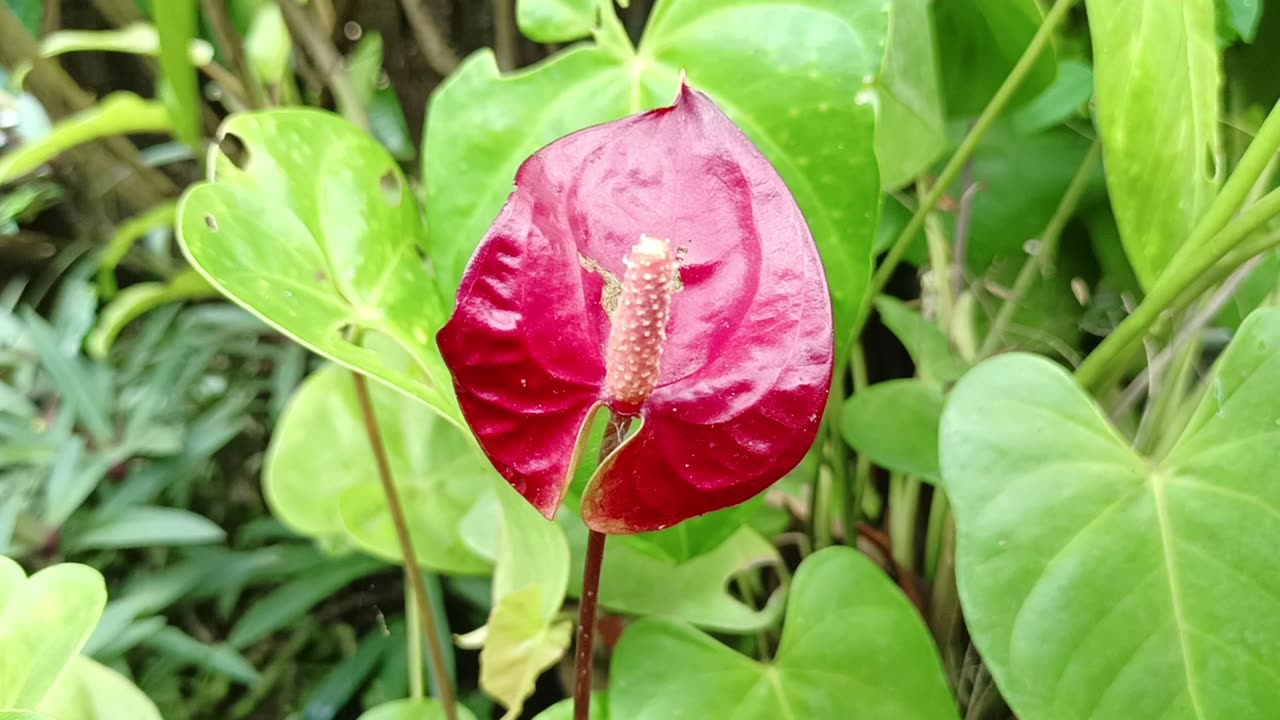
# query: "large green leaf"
x,y
44,621
320,477
317,234
895,424
802,103
1158,79
1100,584
979,42
910,132
91,691
852,648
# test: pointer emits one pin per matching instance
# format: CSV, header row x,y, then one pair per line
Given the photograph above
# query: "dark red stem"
x,y
613,437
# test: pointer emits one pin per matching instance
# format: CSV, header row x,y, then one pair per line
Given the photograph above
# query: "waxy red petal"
x,y
747,362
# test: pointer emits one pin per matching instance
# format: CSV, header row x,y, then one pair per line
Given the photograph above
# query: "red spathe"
x,y
747,362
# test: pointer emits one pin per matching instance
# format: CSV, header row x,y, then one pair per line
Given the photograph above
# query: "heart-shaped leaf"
x,y
320,477
317,232
44,621
1158,93
807,106
852,647
1103,585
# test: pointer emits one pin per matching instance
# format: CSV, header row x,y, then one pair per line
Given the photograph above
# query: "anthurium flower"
x,y
658,266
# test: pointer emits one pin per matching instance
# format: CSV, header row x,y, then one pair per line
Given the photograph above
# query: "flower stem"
x,y
613,437
955,166
444,686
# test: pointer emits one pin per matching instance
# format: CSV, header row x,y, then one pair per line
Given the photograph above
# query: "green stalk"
x,y
1036,264
1188,267
951,171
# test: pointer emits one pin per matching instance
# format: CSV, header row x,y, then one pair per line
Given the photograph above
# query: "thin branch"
x,y
435,645
233,48
431,41
329,63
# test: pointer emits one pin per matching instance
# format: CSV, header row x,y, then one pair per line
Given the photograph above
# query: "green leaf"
x,y
1167,563
519,644
556,21
287,603
320,477
852,647
44,621
91,691
910,132
218,658
176,24
532,552
30,12
1158,113
563,710
268,44
139,299
31,715
696,591
979,42
1021,180
426,709
318,235
895,423
1238,19
145,526
808,106
929,347
1066,98
116,114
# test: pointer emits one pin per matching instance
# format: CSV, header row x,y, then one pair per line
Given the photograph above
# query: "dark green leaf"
x,y
145,526
978,44
287,603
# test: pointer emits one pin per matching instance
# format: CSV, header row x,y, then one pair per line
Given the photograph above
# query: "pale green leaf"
x,y
44,621
1158,111
519,645
852,648
320,476
318,235
92,691
1103,585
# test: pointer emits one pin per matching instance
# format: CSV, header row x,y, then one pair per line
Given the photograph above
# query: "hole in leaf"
x,y
231,146
211,223
389,183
